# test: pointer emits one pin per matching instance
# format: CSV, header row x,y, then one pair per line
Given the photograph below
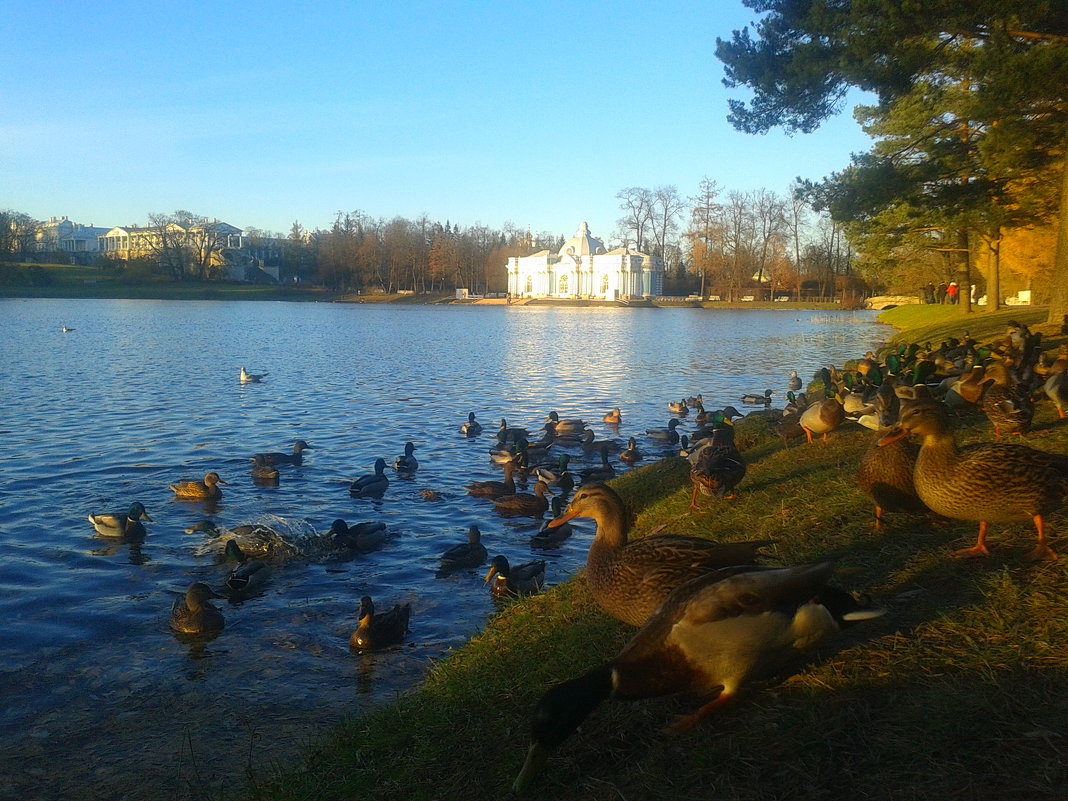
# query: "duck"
x,y
1056,389
406,463
566,426
277,457
717,466
679,409
66,329
794,382
885,473
552,537
613,418
494,489
764,399
467,554
255,539
121,524
602,472
710,638
379,629
525,579
194,613
524,504
505,455
631,454
703,415
247,575
262,470
507,434
365,536
251,378
1006,403
987,482
560,478
629,580
371,485
822,417
695,400
193,490
668,434
472,428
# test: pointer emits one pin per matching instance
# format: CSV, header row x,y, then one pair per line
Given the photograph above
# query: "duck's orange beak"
x,y
894,435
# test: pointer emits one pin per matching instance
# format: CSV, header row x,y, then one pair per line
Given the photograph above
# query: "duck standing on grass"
x,y
193,490
710,638
379,629
989,482
629,580
717,466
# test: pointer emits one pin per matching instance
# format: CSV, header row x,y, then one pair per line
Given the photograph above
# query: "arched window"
x,y
530,285
563,285
604,284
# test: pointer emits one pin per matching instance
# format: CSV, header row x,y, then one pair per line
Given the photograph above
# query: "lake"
x,y
100,694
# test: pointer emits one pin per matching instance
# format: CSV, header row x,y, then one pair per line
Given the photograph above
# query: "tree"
x,y
636,203
665,207
18,234
1012,53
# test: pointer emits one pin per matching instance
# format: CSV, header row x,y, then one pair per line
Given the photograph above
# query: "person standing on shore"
x,y
928,293
951,293
940,293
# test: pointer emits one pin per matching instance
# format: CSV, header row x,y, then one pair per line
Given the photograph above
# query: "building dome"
x,y
582,244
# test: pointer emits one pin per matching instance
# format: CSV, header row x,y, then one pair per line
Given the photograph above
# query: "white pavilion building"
x,y
584,269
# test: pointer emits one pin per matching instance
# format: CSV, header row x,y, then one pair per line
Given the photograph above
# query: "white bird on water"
x,y
251,378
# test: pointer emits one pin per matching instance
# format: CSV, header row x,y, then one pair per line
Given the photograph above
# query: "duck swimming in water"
x,y
193,490
121,524
472,428
379,629
194,613
467,554
251,378
406,463
371,485
277,457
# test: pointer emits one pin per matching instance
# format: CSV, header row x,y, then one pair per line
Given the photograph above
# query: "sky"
x,y
534,114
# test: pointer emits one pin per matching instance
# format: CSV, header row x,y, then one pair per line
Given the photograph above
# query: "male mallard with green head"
x,y
525,579
121,524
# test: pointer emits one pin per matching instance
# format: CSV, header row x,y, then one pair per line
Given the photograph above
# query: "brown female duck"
x,y
717,465
193,490
1006,403
194,613
989,482
630,580
494,489
886,471
524,504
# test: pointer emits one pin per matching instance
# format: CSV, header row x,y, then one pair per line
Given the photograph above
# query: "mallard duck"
x,y
968,390
247,575
694,400
66,330
717,465
630,580
251,378
990,482
371,485
552,537
679,409
571,425
381,629
631,454
255,540
261,470
121,524
193,490
1007,403
602,472
524,504
277,457
365,536
710,638
507,434
613,418
668,434
560,478
788,427
406,463
494,489
472,428
194,613
794,384
525,579
467,554
886,471
822,417
1056,389
764,399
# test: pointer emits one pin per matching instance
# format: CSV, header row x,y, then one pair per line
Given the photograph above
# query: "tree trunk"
x,y
993,273
1058,297
964,277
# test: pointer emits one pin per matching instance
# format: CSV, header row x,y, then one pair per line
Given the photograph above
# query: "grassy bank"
x,y
959,692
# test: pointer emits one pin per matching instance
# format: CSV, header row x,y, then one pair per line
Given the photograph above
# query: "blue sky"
x,y
265,113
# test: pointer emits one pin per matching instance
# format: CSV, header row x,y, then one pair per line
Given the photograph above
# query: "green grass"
x,y
959,692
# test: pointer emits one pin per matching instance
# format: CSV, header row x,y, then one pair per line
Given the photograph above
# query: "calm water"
x,y
99,693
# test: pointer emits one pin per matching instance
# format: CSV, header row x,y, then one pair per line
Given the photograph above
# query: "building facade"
x,y
584,269
79,243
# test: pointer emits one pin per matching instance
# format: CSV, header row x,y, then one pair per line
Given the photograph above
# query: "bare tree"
x,y
636,203
666,207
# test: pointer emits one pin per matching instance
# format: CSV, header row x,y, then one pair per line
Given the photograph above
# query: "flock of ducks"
x,y
710,616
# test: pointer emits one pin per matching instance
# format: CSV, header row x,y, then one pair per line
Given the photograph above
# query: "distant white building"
x,y
582,268
80,242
